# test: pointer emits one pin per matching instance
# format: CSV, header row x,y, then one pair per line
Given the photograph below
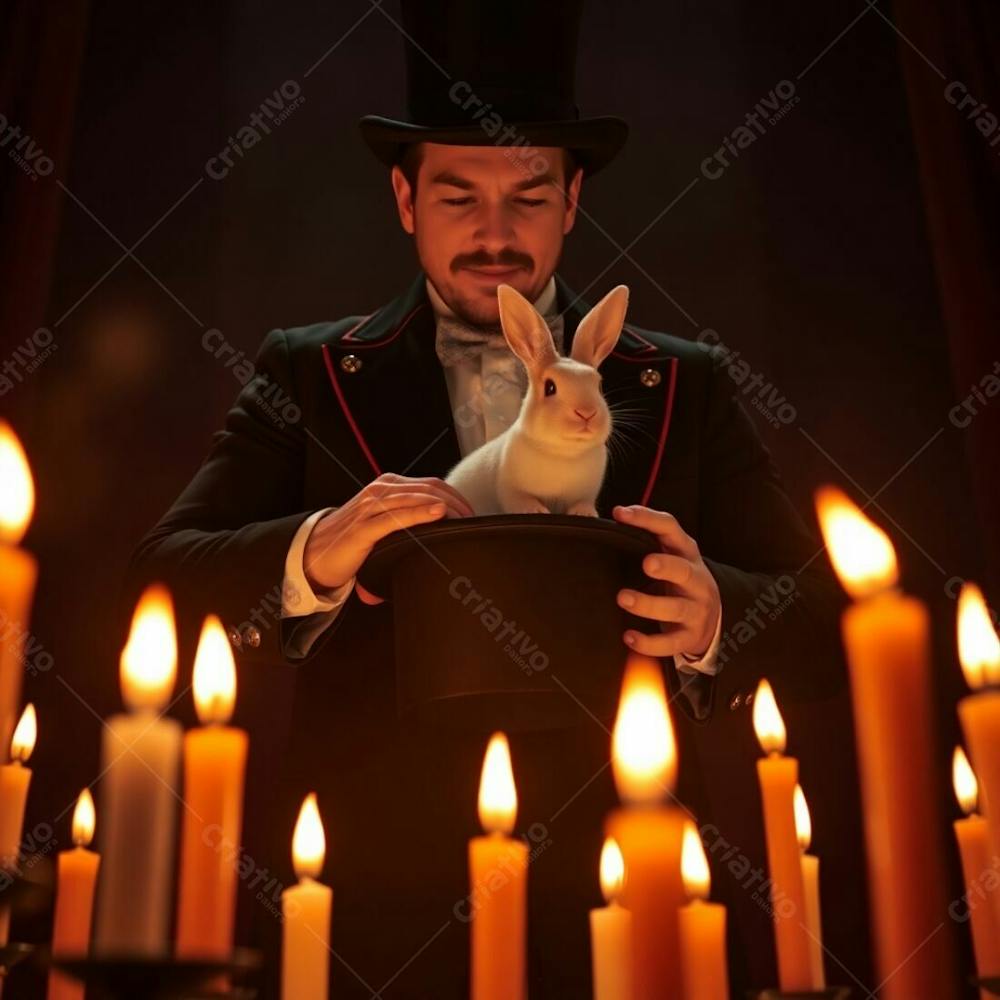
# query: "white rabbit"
x,y
553,458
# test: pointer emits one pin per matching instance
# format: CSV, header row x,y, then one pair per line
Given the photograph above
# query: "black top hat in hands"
x,y
493,74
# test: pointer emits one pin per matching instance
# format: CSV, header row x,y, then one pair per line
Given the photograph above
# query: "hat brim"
x,y
594,141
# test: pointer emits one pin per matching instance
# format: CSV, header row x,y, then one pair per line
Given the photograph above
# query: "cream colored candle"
x,y
810,884
18,573
76,881
702,927
139,795
214,765
498,872
778,777
972,835
611,931
306,910
15,779
649,832
886,639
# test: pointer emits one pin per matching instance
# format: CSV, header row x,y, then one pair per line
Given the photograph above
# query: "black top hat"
x,y
509,621
494,74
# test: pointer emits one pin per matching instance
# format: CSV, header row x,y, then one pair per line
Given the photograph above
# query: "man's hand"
x,y
687,605
341,540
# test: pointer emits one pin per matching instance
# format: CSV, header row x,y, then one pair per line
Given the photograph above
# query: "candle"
x,y
810,884
886,639
649,833
972,835
702,926
140,754
214,764
611,931
76,881
778,777
14,781
306,909
498,872
18,573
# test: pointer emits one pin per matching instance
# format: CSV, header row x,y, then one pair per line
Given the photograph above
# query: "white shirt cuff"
x,y
706,664
297,597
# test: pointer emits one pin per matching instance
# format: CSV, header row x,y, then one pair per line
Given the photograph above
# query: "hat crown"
x,y
515,59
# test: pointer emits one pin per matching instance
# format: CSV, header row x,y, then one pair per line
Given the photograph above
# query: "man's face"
x,y
481,219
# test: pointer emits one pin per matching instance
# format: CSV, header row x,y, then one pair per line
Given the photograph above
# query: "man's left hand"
x,y
687,603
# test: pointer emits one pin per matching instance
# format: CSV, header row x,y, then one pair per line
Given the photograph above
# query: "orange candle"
x,y
498,871
76,882
214,764
611,931
18,573
702,927
306,909
649,833
779,776
15,779
972,835
886,639
810,885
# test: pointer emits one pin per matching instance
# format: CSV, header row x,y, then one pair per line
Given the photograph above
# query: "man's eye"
x,y
531,202
457,201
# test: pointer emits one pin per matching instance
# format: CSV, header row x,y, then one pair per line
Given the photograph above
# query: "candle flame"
x,y
861,553
149,659
978,645
694,864
803,821
309,840
612,870
767,721
643,750
964,780
25,734
17,488
497,793
84,819
214,674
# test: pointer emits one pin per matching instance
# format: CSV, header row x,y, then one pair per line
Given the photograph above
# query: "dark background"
x,y
847,254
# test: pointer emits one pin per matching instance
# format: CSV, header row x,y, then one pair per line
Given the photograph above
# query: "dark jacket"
x,y
328,407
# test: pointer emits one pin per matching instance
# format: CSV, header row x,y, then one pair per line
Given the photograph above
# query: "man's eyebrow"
x,y
454,180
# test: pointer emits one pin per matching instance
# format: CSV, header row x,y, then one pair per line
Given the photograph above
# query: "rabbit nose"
x,y
585,416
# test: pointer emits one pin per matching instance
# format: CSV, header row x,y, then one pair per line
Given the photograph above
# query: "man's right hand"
x,y
341,540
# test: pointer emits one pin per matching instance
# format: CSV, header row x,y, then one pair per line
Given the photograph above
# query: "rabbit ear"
x,y
526,332
600,329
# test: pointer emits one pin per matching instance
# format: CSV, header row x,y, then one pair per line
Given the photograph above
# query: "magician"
x,y
488,172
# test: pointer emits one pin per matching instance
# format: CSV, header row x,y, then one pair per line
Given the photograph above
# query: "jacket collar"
x,y
390,385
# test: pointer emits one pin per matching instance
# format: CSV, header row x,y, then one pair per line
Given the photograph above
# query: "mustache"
x,y
505,258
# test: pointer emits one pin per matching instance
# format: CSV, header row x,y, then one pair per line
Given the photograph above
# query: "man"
x,y
344,435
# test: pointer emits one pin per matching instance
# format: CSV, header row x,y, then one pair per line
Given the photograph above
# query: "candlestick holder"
x,y
134,977
830,993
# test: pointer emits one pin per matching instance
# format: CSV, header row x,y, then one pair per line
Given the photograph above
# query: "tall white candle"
x,y
306,909
141,752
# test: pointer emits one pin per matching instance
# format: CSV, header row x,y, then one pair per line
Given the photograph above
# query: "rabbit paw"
x,y
583,509
529,506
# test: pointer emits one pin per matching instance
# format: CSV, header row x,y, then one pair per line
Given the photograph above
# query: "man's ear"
x,y
404,199
572,199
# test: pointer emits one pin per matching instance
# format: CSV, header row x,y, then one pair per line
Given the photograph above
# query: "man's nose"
x,y
493,230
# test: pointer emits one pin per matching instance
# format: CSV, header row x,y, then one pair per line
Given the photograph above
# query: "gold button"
x,y
649,377
234,637
251,636
350,363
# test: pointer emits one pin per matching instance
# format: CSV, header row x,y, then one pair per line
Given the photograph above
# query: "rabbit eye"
x,y
550,387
